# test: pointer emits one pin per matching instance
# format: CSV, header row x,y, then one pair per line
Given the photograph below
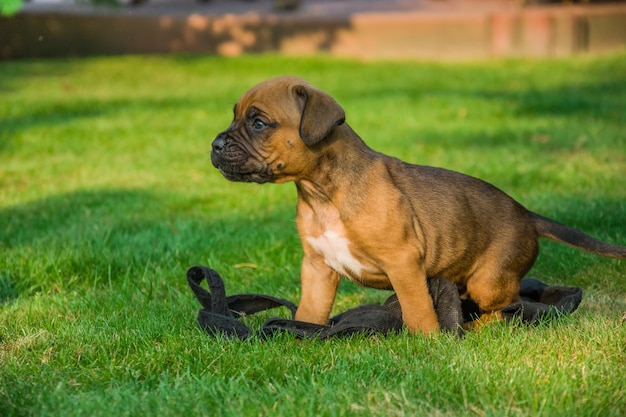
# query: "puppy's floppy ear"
x,y
320,113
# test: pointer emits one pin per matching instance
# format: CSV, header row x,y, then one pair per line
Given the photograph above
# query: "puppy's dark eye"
x,y
258,124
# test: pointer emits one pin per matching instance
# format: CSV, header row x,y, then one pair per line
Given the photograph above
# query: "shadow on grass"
x,y
569,100
95,237
53,113
15,73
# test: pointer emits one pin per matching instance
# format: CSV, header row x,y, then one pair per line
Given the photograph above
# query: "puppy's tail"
x,y
554,230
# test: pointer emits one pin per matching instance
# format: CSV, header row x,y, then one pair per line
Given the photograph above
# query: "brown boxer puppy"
x,y
379,221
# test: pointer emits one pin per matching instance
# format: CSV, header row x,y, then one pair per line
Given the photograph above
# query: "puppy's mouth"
x,y
239,175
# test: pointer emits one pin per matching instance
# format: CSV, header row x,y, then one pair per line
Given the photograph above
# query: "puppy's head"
x,y
276,128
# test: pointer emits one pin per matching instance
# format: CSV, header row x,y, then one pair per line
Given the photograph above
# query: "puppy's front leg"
x,y
418,312
408,280
319,288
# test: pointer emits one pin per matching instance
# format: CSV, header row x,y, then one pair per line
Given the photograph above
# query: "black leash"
x,y
220,313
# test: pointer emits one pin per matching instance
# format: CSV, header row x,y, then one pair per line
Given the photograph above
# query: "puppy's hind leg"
x,y
495,283
492,292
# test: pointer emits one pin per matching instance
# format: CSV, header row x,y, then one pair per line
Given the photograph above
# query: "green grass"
x,y
107,196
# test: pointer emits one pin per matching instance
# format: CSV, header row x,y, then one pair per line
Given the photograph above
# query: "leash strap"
x,y
540,302
219,313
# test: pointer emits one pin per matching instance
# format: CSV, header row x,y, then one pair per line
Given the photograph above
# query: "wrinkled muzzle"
x,y
236,162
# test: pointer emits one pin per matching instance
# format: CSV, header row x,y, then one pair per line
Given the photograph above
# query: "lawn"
x,y
107,196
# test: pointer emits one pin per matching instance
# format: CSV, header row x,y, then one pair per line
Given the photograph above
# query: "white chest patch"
x,y
334,249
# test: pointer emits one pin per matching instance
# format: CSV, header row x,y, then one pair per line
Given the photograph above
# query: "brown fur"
x,y
401,223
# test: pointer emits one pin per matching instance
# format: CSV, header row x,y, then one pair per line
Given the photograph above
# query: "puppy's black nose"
x,y
218,144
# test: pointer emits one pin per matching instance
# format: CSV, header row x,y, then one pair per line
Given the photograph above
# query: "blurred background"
x,y
370,29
